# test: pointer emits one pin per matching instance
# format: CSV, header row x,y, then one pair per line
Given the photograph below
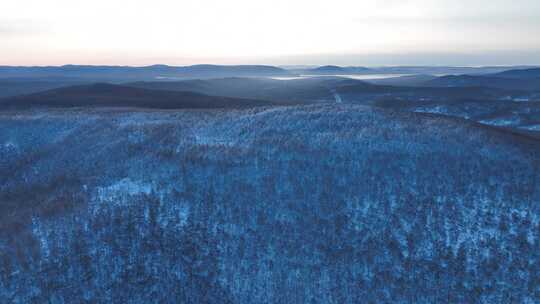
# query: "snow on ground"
x,y
531,127
338,98
434,110
10,145
119,192
501,121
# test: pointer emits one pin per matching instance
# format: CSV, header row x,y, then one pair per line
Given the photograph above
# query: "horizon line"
x,y
269,65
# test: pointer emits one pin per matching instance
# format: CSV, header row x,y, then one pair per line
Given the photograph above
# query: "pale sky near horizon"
x,y
345,32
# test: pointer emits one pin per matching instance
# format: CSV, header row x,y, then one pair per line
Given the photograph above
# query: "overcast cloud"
x,y
349,32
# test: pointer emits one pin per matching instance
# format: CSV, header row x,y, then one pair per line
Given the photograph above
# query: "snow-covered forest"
x,y
306,204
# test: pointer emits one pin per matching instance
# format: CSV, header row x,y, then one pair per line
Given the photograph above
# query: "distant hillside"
x,y
127,73
308,90
317,89
520,73
513,109
521,116
494,106
374,92
486,81
22,86
444,70
108,95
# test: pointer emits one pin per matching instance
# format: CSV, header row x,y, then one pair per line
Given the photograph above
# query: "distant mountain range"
x,y
126,73
337,70
447,70
526,79
403,70
90,73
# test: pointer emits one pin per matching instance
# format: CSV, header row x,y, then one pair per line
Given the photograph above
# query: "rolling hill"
x,y
362,92
488,81
518,116
22,86
513,109
308,90
322,89
520,73
109,95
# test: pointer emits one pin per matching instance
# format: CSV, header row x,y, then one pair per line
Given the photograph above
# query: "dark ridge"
x,y
485,81
21,86
446,92
109,95
308,90
520,73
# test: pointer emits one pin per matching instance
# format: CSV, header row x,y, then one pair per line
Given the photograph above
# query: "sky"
x,y
279,32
